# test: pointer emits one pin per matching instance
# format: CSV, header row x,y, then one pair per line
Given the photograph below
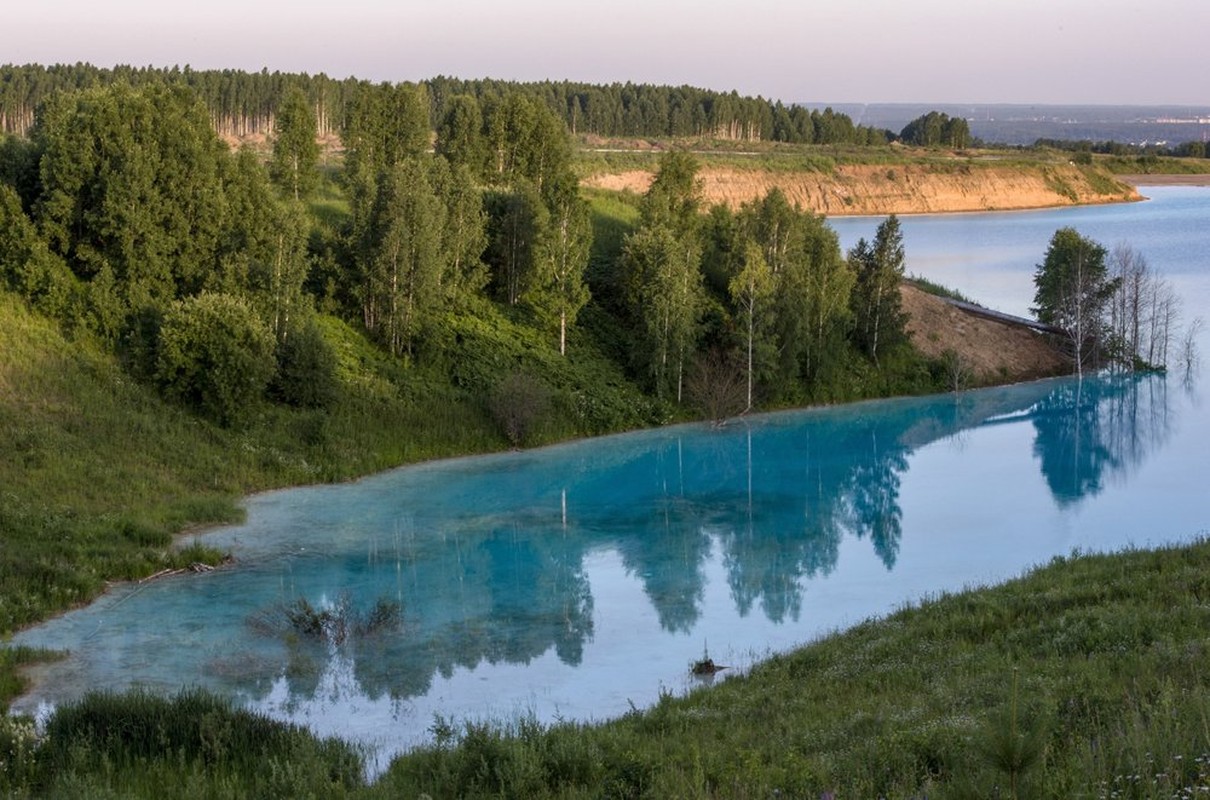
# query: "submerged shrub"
x,y
335,623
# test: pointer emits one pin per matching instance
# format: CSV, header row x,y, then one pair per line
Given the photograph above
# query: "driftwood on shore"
x,y
195,567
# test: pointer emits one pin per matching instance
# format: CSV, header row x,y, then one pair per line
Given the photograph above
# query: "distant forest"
x,y
245,103
1099,127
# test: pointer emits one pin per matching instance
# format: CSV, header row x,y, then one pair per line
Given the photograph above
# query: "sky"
x,y
850,51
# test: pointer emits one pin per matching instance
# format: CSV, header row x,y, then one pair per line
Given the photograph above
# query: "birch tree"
x,y
1072,292
405,268
295,150
667,297
559,289
751,291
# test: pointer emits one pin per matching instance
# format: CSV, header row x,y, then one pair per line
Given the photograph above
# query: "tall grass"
x,y
193,745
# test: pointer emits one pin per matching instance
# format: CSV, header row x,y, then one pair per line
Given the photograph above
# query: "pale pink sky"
x,y
1026,51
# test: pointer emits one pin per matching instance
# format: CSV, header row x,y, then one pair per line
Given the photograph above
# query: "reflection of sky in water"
x,y
576,580
746,540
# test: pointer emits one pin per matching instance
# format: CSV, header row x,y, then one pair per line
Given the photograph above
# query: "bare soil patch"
x,y
991,350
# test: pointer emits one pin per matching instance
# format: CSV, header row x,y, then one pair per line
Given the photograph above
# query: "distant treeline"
x,y
1184,150
244,103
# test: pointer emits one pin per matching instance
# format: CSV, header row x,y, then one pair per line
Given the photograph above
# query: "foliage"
x,y
214,355
667,299
335,624
938,290
27,266
517,222
559,290
131,189
877,308
306,369
138,742
295,151
1073,288
402,272
750,291
808,318
937,129
518,403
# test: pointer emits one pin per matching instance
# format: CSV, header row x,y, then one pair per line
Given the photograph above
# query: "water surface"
x,y
577,581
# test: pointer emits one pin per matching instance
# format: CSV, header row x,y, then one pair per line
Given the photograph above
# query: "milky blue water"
x,y
577,581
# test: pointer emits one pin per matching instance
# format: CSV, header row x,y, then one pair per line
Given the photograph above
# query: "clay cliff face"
x,y
900,188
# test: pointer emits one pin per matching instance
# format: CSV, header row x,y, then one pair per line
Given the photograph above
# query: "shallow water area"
x,y
578,581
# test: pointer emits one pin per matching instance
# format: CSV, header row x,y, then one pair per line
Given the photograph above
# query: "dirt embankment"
x,y
988,351
899,188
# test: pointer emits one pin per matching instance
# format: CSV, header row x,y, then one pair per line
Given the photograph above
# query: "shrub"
x,y
518,402
214,355
122,736
306,369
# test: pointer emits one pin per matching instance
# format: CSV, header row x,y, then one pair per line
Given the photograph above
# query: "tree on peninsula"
x,y
1072,291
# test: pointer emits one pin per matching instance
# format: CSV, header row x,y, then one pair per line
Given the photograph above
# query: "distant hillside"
x,y
1010,124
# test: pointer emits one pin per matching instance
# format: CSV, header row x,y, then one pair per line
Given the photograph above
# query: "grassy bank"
x,y
99,473
1083,679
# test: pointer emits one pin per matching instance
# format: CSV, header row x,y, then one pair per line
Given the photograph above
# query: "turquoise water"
x,y
575,581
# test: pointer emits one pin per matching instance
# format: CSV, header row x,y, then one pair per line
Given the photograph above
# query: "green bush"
x,y
214,355
306,369
518,403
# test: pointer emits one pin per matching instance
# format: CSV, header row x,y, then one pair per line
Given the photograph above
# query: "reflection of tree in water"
x,y
873,497
805,494
661,540
506,583
502,596
1090,429
667,552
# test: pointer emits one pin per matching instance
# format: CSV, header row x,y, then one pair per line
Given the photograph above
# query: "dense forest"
x,y
127,219
243,104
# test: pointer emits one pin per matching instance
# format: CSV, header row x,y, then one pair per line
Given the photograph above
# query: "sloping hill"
x,y
991,350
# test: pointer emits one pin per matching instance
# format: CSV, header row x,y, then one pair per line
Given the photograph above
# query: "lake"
x,y
582,580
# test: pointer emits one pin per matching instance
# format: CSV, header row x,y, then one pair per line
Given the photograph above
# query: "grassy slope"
x,y
98,473
1106,654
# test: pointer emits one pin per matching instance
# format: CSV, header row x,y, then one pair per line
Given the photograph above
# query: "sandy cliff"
x,y
900,188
